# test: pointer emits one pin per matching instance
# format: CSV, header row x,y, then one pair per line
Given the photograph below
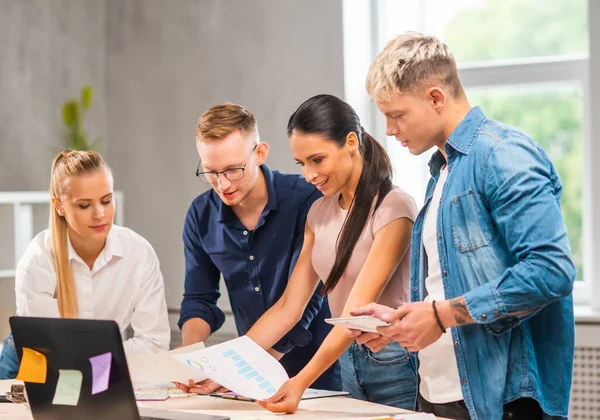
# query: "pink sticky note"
x,y
100,372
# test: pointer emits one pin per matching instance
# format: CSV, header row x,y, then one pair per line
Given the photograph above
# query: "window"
x,y
525,62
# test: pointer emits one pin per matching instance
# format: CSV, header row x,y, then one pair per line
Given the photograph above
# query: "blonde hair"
x,y
221,120
408,62
66,164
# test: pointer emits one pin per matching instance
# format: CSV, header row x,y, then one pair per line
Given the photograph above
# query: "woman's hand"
x,y
287,399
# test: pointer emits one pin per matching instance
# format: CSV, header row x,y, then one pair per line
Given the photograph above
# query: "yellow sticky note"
x,y
33,367
68,387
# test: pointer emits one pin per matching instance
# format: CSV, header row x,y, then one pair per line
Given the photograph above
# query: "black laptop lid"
x,y
69,344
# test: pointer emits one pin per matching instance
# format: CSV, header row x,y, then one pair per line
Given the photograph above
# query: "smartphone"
x,y
363,323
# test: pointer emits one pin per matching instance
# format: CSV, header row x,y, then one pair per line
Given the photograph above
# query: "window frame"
x,y
363,39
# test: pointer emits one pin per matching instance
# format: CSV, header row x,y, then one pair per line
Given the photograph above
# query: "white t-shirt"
x,y
125,285
438,369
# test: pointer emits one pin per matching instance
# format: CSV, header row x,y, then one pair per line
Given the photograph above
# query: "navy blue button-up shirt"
x,y
256,265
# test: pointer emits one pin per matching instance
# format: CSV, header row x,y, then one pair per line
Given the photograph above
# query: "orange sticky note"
x,y
33,367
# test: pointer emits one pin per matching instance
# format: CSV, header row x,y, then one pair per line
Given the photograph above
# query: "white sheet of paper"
x,y
312,393
161,368
240,365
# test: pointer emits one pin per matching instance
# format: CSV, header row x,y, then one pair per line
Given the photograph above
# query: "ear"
x,y
352,141
437,97
57,206
262,152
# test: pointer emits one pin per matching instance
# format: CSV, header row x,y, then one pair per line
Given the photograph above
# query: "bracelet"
x,y
437,318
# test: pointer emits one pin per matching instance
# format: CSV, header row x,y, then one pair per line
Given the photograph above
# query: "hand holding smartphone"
x,y
363,323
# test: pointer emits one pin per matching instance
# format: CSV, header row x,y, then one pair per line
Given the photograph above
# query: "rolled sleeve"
x,y
523,194
201,287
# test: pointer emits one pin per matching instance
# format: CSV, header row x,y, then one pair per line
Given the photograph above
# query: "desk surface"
x,y
325,408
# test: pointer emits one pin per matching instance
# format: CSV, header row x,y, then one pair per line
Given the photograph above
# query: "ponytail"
x,y
374,184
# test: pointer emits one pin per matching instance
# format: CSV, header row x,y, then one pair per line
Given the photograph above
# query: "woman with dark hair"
x,y
356,240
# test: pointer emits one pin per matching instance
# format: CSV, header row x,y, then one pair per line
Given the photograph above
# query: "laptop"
x,y
69,344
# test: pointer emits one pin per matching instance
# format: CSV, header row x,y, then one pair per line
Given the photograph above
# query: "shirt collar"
x,y
227,215
461,139
112,247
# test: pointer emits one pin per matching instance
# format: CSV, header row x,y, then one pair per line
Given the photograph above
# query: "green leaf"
x,y
87,94
70,113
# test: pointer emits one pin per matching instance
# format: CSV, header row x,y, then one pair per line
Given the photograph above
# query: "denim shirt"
x,y
503,246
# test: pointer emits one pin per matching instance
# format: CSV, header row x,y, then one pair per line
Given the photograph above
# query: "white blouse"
x,y
124,285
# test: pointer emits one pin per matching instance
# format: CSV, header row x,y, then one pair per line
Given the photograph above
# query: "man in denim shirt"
x,y
249,228
491,277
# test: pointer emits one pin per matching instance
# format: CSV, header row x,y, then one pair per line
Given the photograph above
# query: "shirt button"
x,y
415,288
456,343
483,317
445,273
257,289
245,232
441,199
463,381
440,236
251,257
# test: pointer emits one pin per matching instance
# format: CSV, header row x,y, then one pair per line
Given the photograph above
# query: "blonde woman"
x,y
83,266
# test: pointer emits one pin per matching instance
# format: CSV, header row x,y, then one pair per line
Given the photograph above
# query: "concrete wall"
x,y
48,50
170,61
156,66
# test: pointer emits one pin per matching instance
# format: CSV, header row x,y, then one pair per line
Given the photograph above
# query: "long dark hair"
x,y
334,119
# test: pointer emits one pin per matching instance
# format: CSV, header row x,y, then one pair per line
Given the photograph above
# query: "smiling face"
x,y
233,151
414,121
87,206
324,164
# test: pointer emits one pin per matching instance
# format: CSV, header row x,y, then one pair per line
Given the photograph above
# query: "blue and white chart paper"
x,y
240,365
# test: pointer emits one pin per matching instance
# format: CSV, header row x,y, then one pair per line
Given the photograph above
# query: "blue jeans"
x,y
387,377
9,361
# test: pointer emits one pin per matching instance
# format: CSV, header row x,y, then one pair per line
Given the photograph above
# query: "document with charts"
x,y
161,368
240,365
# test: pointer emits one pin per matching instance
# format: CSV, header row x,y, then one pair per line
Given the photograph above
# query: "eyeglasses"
x,y
232,174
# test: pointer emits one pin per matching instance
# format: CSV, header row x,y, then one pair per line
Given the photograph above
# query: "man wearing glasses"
x,y
249,228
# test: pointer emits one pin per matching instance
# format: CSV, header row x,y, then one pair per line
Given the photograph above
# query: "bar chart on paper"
x,y
240,365
249,371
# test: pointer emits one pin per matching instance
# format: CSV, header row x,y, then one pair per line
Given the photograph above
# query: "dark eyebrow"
x,y
313,155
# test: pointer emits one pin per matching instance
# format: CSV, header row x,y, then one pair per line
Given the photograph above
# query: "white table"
x,y
326,408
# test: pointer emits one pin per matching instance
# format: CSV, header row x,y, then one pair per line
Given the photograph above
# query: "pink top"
x,y
326,218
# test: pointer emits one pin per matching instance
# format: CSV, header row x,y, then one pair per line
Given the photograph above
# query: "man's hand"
x,y
207,386
373,309
413,326
287,399
374,341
